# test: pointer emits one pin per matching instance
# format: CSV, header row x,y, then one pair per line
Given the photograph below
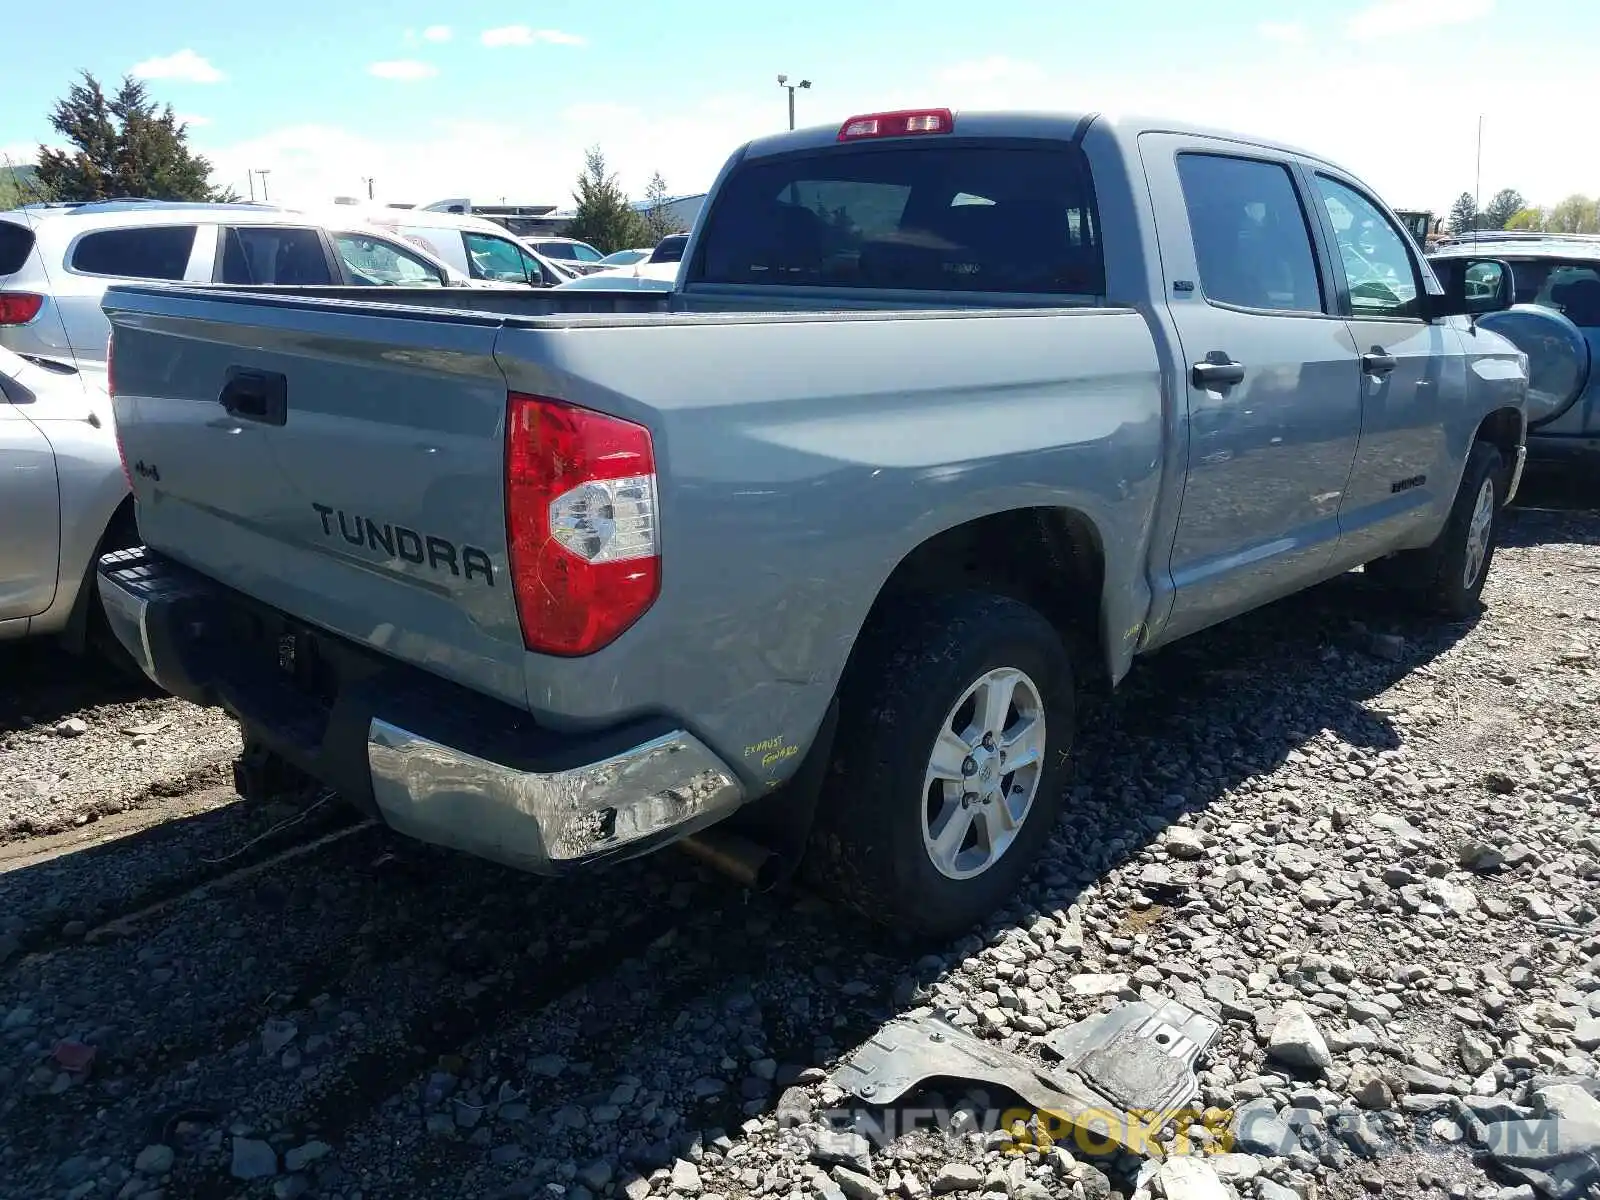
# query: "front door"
x,y
1271,375
1413,378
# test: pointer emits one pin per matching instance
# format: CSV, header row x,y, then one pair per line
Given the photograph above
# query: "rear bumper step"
x,y
435,761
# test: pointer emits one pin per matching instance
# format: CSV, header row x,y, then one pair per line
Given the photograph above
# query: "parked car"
x,y
1556,322
644,276
624,258
670,248
569,252
823,551
56,264
474,246
65,502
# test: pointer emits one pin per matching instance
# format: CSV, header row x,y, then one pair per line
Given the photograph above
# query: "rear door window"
x,y
954,217
274,254
16,243
146,252
1252,242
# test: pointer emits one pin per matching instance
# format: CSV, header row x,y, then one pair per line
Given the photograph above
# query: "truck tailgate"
x,y
343,466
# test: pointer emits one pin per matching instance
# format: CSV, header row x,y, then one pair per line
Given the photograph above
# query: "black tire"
x,y
1434,578
868,843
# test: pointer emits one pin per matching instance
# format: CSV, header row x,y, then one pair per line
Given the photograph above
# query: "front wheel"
x,y
954,733
1447,577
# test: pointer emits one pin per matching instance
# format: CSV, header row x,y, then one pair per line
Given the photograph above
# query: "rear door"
x,y
1270,376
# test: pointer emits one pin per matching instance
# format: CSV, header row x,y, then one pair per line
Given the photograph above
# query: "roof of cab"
x,y
1063,126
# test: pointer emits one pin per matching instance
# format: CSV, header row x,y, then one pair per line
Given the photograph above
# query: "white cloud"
x,y
185,66
405,70
193,120
1273,95
523,35
1390,18
1285,33
437,33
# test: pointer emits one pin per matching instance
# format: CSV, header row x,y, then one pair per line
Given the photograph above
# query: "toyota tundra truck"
x,y
947,418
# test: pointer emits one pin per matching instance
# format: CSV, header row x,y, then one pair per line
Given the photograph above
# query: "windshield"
x,y
624,258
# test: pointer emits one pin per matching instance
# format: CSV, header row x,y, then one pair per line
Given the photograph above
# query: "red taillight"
x,y
116,426
580,524
897,124
18,308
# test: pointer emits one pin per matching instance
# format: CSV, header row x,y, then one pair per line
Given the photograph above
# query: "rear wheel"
x,y
1447,577
954,732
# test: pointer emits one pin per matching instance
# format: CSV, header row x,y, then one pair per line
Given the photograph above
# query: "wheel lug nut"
x,y
988,741
969,767
969,799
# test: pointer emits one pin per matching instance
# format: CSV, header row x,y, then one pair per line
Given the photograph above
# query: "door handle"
x,y
251,395
1377,363
1217,370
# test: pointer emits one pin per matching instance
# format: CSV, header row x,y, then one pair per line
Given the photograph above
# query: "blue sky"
x,y
498,98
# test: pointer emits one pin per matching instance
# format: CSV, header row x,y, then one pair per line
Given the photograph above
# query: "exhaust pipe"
x,y
746,863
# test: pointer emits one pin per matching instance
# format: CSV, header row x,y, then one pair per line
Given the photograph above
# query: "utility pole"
x,y
264,172
250,177
1477,185
368,180
783,82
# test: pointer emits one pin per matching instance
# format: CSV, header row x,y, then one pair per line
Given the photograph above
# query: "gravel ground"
x,y
1370,847
80,742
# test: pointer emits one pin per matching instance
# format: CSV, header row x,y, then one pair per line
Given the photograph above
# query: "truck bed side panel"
x,y
802,458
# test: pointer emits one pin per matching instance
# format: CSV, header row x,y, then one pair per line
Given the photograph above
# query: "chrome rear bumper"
x,y
434,761
665,788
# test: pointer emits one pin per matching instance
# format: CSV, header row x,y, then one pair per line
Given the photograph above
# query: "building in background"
x,y
546,220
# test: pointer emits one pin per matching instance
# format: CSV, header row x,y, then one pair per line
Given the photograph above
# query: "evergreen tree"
x,y
1507,203
1463,214
605,219
126,145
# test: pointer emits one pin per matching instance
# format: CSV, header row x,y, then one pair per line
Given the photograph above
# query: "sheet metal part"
x,y
1121,1073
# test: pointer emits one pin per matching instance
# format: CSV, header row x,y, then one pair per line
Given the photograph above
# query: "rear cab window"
x,y
967,217
143,252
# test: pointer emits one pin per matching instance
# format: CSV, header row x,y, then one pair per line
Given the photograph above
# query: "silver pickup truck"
x,y
948,418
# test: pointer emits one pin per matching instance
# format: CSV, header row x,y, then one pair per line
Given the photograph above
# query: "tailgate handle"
x,y
256,395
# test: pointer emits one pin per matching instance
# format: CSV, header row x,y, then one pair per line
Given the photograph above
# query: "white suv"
x,y
57,261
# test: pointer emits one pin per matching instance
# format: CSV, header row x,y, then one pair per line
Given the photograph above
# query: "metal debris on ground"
x,y
1122,1073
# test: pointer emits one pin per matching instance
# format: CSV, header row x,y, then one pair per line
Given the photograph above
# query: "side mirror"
x,y
1472,287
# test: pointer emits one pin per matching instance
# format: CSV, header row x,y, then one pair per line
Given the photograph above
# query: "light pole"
x,y
783,82
369,181
264,172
